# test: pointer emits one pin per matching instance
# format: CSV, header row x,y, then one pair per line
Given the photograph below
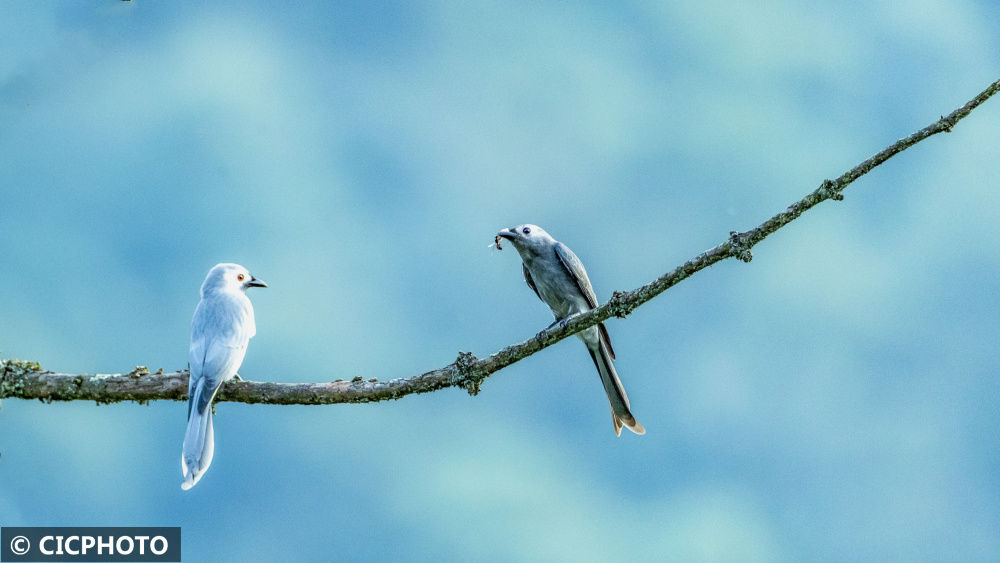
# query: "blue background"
x,y
835,399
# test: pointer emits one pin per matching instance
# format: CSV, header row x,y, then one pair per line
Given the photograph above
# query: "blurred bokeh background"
x,y
835,399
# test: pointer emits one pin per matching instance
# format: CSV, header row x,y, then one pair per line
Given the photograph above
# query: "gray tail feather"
x,y
199,440
620,413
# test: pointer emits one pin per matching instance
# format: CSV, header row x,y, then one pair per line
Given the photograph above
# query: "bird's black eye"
x,y
526,231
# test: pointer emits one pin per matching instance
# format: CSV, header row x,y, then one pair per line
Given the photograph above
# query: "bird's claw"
x,y
558,323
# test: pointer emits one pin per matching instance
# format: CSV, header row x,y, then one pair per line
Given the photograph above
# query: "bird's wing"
x,y
574,267
220,331
221,363
529,281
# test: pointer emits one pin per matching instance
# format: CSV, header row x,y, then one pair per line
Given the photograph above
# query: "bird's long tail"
x,y
199,440
620,413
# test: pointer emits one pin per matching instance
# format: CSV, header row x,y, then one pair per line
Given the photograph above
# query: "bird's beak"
x,y
508,234
254,282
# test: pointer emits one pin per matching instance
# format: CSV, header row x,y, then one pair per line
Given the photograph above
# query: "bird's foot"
x,y
561,323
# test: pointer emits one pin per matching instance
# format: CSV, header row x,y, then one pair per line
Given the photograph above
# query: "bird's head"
x,y
229,278
527,238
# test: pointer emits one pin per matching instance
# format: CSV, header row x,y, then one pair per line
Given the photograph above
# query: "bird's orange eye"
x,y
240,277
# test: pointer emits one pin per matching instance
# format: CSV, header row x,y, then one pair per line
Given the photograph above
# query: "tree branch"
x,y
27,380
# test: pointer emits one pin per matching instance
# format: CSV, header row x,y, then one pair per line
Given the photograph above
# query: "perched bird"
x,y
222,326
558,278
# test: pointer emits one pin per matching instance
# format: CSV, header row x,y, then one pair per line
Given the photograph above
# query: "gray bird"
x,y
558,278
222,326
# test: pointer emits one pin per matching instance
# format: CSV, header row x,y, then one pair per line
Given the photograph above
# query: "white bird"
x,y
222,326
